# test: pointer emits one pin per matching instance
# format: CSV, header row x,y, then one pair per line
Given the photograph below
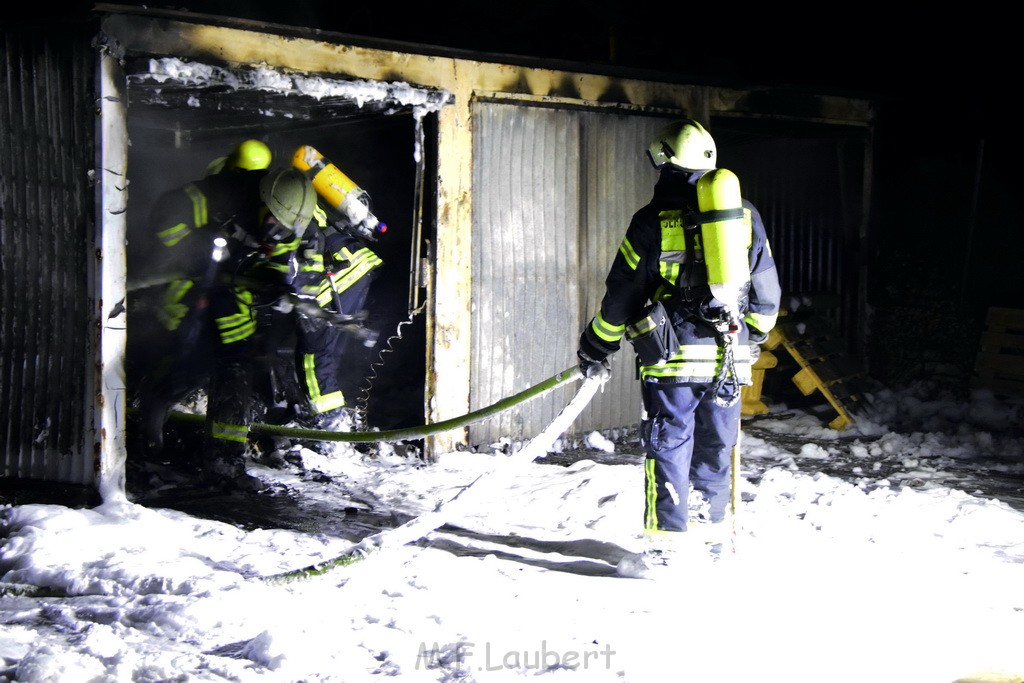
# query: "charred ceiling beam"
x,y
198,98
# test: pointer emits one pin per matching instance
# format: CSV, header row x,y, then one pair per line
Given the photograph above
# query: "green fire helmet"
x,y
290,197
684,144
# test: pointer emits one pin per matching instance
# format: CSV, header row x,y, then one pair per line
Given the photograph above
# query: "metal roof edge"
x,y
429,50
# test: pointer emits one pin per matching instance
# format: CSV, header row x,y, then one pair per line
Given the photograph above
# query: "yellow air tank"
x,y
337,189
726,241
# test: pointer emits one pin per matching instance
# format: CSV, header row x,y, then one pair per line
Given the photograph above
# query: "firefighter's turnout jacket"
x,y
660,259
247,269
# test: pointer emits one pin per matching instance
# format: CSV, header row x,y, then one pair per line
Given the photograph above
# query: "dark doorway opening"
x,y
177,130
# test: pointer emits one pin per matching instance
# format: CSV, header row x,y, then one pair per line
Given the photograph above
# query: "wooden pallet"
x,y
825,366
1000,363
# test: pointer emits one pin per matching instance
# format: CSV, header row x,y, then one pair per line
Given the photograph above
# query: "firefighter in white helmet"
x,y
694,330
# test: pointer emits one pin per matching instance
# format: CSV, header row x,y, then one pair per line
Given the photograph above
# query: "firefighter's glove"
x,y
593,367
283,304
755,352
593,356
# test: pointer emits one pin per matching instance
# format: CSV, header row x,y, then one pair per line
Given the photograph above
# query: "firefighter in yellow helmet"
x,y
694,288
229,244
248,155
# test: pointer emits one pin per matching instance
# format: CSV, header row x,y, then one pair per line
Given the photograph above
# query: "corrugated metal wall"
x,y
808,183
553,192
620,180
47,119
525,221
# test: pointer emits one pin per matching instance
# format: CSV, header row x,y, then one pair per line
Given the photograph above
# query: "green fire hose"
x,y
420,526
405,433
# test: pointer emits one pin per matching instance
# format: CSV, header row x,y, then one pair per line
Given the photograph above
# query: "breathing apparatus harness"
x,y
700,302
726,386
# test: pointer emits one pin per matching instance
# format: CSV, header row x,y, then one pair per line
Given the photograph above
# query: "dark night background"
x,y
946,223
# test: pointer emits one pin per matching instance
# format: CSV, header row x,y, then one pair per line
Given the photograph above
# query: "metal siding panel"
x,y
811,204
553,194
10,255
620,180
524,263
801,182
45,151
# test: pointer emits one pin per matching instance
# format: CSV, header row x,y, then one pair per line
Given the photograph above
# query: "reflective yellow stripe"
x,y
343,254
629,253
763,322
173,311
328,402
606,331
651,496
353,257
172,314
642,327
177,290
669,271
238,326
235,328
279,267
320,403
174,234
324,292
699,361
694,369
363,261
312,264
285,247
200,213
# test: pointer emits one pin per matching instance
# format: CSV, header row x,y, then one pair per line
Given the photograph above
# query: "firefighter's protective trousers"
x,y
689,441
339,285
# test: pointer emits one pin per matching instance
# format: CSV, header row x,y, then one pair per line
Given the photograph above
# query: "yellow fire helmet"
x,y
248,155
251,155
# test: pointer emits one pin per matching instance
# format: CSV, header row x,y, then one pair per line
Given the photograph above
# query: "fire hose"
x,y
405,433
419,526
